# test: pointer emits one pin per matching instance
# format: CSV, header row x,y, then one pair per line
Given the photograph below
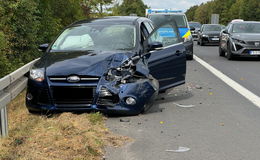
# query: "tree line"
x,y
227,9
24,24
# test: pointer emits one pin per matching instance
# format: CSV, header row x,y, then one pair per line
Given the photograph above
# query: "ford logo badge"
x,y
73,79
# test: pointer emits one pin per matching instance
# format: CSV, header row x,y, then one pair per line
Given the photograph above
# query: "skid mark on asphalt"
x,y
233,84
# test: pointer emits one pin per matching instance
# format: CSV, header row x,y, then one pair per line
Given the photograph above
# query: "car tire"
x,y
189,57
198,42
230,55
221,52
201,43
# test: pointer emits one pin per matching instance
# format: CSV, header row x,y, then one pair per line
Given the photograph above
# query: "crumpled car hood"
x,y
83,63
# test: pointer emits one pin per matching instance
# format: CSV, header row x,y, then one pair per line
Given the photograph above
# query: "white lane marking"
x,y
233,84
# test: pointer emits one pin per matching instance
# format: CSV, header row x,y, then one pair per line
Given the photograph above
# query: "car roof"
x,y
212,24
152,14
246,22
111,19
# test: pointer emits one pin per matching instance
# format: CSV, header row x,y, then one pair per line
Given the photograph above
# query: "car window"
x,y
195,24
246,28
148,27
96,37
160,18
166,34
212,28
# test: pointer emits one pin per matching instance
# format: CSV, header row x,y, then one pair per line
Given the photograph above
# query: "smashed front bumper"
x,y
107,97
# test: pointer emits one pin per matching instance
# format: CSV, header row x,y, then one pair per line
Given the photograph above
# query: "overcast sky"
x,y
173,4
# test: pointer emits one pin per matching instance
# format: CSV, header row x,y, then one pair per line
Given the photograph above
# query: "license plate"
x,y
254,52
215,39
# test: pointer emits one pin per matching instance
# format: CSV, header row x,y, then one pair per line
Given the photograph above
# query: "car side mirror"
x,y
225,31
43,47
192,28
155,46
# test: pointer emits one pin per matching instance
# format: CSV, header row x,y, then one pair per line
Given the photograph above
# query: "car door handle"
x,y
178,53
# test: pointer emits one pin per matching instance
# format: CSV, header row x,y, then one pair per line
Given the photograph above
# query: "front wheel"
x,y
221,52
230,55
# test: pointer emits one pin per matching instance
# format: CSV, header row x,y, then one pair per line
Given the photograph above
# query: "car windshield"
x,y
246,28
96,37
160,18
194,24
212,28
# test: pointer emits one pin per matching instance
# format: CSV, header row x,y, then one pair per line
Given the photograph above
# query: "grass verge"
x,y
65,136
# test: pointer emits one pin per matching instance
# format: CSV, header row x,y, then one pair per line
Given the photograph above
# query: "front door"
x,y
168,63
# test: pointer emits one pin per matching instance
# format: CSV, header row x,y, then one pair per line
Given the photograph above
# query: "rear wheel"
x,y
189,57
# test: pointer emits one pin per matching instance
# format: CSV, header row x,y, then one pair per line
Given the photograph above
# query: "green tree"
x,y
130,7
190,13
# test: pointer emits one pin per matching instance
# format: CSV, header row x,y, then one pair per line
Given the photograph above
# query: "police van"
x,y
158,16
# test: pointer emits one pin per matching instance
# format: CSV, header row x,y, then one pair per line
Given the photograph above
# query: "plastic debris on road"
x,y
184,106
179,150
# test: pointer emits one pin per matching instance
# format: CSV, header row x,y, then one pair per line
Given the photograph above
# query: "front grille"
x,y
252,43
73,95
83,79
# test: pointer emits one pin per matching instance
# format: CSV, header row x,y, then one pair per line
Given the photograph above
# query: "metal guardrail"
x,y
10,86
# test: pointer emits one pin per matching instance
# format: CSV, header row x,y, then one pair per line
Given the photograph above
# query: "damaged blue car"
x,y
116,65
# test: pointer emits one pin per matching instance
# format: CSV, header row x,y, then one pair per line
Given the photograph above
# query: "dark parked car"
x,y
209,33
113,65
194,27
240,38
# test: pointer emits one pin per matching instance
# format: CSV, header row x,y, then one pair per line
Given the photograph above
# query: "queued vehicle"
x,y
159,16
240,38
194,28
209,34
116,65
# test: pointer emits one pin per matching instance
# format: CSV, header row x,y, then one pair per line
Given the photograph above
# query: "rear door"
x,y
167,64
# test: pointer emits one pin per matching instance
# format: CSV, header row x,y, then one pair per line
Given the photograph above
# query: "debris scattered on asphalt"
x,y
198,87
161,109
161,122
210,93
222,124
184,106
139,123
125,120
242,79
179,150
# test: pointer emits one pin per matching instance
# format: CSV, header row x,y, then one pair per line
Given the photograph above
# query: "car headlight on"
x,y
238,41
37,74
204,35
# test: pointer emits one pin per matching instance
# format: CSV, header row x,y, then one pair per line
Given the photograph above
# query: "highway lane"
x,y
222,125
245,71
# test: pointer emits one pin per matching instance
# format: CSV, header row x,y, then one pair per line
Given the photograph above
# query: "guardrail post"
x,y
3,122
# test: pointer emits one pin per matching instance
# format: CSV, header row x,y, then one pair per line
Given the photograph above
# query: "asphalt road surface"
x,y
205,116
